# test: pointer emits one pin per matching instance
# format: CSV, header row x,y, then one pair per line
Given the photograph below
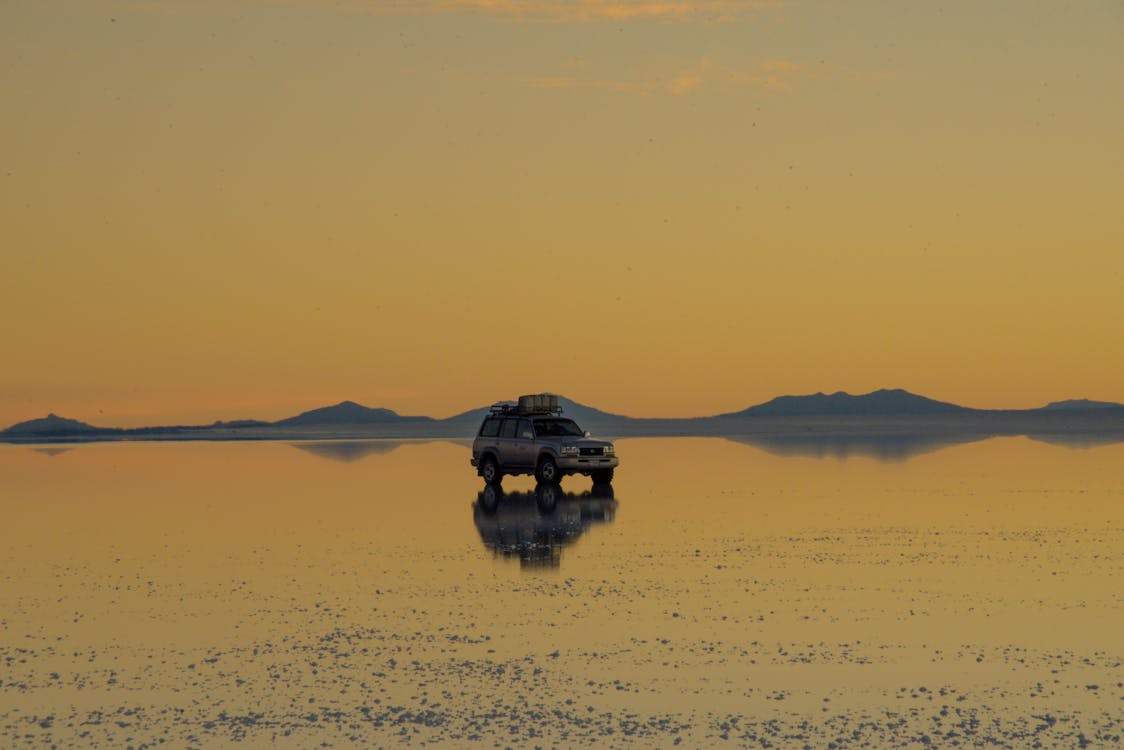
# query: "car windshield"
x,y
557,428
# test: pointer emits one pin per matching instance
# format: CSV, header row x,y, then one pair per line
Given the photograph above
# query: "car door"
x,y
524,444
508,445
488,439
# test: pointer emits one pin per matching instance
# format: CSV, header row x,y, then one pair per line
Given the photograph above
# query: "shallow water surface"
x,y
374,593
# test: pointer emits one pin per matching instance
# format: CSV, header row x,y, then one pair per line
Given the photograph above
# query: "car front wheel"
x,y
490,470
547,471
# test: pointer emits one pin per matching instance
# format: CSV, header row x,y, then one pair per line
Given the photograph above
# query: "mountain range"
x,y
347,412
888,409
886,401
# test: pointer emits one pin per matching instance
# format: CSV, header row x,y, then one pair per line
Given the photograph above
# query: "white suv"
x,y
534,438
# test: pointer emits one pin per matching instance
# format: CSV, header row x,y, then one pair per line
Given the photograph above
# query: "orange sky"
x,y
247,209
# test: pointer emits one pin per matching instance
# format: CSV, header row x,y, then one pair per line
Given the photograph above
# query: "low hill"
x,y
1080,404
886,402
580,413
52,424
347,413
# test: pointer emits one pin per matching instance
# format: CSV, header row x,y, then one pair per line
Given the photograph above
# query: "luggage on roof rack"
x,y
537,403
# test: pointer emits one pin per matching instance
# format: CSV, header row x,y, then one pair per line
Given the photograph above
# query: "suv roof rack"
x,y
544,404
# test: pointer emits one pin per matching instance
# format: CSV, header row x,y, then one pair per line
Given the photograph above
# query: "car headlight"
x,y
610,450
569,450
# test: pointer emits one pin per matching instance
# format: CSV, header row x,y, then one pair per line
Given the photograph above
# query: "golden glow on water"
x,y
253,589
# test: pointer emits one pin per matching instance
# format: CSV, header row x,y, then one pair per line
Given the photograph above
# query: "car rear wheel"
x,y
602,476
547,471
490,498
490,470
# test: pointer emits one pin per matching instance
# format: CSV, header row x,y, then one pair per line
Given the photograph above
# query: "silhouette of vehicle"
x,y
535,526
532,437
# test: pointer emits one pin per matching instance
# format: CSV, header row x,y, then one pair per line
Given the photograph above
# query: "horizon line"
x,y
585,405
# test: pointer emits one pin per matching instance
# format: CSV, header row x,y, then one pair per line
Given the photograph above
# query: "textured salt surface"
x,y
206,596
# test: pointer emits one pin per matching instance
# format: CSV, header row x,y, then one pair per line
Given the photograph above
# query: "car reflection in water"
x,y
534,526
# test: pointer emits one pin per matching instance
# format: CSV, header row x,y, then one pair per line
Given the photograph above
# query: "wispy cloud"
x,y
771,75
574,11
684,83
775,74
573,82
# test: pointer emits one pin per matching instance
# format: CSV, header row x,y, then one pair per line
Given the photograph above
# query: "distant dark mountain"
x,y
347,413
1075,404
580,413
885,402
474,416
840,415
51,425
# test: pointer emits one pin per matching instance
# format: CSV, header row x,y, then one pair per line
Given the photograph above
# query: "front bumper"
x,y
587,463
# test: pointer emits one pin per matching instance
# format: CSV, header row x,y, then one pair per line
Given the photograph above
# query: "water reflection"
x,y
534,526
54,450
1078,440
886,447
347,451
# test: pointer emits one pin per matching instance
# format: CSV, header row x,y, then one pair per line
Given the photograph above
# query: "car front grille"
x,y
591,451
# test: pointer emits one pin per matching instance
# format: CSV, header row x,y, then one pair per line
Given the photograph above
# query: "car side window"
x,y
491,428
508,429
525,430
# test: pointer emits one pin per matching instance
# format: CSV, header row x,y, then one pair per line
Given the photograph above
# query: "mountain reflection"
x,y
54,450
887,447
1078,440
534,526
347,450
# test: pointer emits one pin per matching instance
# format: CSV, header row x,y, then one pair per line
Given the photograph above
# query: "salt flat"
x,y
254,594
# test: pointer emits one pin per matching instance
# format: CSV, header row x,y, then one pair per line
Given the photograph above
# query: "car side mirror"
x,y
587,433
528,436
